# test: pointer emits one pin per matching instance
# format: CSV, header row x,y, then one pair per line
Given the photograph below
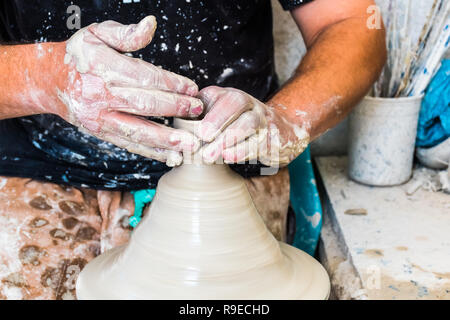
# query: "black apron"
x,y
225,43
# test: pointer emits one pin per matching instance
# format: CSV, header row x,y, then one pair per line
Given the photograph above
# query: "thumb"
x,y
125,38
210,95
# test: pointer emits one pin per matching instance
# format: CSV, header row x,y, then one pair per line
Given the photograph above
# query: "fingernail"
x,y
175,139
210,154
192,90
196,107
196,111
148,24
183,107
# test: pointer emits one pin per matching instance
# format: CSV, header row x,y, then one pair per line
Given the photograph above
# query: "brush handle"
x,y
431,65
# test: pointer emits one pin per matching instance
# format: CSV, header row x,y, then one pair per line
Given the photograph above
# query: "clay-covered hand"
x,y
107,93
240,128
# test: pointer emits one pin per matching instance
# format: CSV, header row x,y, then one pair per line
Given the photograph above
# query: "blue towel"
x,y
305,202
434,117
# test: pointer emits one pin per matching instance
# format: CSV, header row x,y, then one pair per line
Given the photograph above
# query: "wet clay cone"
x,y
202,238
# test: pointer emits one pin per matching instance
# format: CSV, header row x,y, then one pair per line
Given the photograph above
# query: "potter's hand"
x,y
104,92
242,128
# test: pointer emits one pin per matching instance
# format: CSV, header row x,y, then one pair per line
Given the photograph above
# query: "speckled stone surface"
x,y
397,248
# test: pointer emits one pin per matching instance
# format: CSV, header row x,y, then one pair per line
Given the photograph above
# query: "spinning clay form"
x,y
202,238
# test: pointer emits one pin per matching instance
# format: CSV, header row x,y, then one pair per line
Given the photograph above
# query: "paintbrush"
x,y
409,68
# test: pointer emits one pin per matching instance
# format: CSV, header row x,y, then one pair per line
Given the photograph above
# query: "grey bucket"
x,y
382,134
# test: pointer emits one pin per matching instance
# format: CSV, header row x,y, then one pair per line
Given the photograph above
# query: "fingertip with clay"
x,y
185,86
125,38
184,141
187,107
174,159
211,153
170,81
195,108
210,94
233,155
190,88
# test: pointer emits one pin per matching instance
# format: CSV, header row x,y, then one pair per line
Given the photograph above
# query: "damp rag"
x,y
434,117
141,198
305,202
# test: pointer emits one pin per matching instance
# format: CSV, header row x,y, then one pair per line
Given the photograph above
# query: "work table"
x,y
381,242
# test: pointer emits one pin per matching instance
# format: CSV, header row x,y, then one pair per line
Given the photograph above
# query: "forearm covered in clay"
x,y
26,74
89,82
344,58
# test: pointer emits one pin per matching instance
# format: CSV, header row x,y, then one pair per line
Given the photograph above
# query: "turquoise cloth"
x,y
305,202
434,117
141,198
